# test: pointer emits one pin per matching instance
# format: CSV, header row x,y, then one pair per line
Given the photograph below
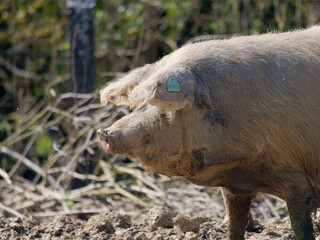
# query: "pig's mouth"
x,y
105,140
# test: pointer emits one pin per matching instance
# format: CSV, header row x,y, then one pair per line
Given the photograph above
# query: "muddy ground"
x,y
188,212
157,224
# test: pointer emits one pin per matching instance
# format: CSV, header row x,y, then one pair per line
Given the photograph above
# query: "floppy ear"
x,y
117,91
171,88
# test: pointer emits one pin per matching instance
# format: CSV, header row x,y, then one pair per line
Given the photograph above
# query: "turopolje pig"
x,y
242,114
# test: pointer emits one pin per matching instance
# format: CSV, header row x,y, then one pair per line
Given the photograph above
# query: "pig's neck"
x,y
241,178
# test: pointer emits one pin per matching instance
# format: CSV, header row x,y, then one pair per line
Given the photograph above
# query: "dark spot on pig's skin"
x,y
146,139
194,166
120,115
199,155
215,117
201,101
163,116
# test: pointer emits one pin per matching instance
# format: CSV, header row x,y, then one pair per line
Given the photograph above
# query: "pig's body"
x,y
246,118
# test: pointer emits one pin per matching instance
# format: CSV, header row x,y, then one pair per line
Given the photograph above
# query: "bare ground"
x,y
157,224
187,212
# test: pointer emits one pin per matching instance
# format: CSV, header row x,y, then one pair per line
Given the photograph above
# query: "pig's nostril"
x,y
102,133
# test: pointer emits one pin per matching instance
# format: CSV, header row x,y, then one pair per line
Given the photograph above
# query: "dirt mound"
x,y
158,224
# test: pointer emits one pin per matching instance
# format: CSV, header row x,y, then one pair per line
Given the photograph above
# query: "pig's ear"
x,y
117,92
171,89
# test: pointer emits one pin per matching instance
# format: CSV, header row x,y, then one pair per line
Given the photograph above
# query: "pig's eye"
x,y
143,108
120,115
146,139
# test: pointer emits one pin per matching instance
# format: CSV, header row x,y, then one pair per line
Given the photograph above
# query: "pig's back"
x,y
269,75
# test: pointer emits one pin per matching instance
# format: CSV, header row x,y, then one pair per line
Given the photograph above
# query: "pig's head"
x,y
166,130
154,138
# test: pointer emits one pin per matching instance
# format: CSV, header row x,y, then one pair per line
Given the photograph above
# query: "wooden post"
x,y
81,23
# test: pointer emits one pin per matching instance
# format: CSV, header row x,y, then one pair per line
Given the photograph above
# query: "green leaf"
x,y
44,145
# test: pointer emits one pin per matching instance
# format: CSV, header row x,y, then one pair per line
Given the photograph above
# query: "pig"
x,y
242,114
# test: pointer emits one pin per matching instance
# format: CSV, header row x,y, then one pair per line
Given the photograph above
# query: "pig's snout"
x,y
105,139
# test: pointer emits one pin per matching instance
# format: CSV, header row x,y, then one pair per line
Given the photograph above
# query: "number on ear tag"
x,y
173,85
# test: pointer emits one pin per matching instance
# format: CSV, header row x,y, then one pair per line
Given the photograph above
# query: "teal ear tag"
x,y
173,85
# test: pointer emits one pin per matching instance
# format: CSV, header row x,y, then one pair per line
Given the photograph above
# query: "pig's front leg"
x,y
238,213
301,221
299,201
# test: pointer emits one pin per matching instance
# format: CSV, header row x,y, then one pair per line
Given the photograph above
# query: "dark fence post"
x,y
81,20
81,25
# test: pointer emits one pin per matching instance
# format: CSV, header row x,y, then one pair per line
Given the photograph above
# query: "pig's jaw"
x,y
178,165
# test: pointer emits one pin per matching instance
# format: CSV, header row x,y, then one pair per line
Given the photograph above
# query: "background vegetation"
x,y
43,138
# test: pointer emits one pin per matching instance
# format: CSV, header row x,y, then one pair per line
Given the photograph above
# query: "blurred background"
x,y
55,56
